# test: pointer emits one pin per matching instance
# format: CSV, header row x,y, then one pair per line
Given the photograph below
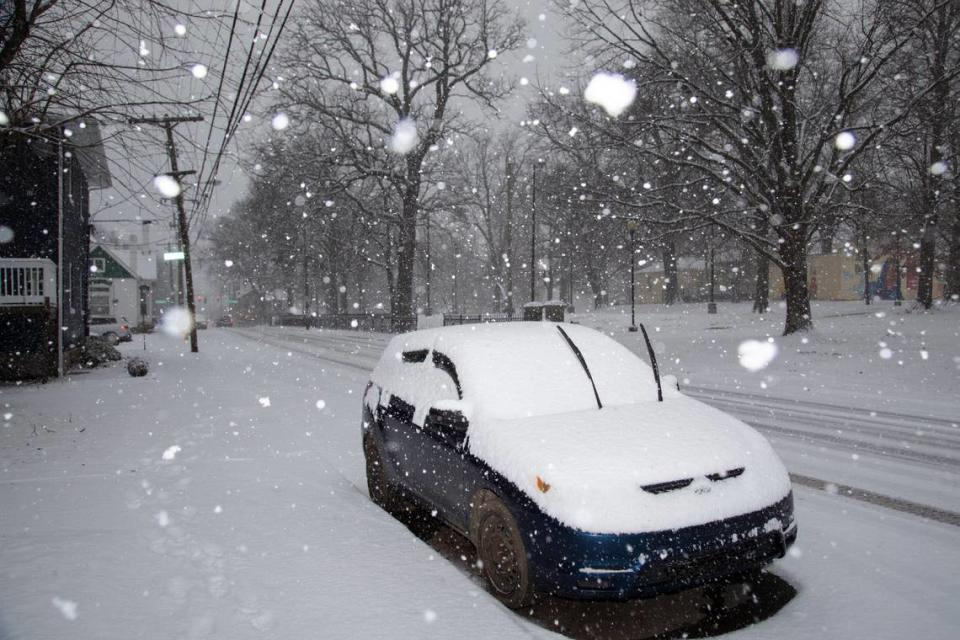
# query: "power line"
x,y
232,126
216,102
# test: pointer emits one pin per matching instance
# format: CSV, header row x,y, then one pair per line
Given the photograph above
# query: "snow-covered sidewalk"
x,y
223,496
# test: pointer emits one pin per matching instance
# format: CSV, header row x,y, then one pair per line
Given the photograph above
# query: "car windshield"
x,y
530,370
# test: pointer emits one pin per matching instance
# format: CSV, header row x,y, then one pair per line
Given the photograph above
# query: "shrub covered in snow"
x,y
137,367
92,352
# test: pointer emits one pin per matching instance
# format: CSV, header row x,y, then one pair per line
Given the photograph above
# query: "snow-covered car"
x,y
555,450
224,321
109,327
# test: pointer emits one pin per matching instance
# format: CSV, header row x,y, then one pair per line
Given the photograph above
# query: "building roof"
x,y
115,267
86,143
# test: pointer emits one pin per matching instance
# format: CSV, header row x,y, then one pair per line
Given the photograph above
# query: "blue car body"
x,y
436,469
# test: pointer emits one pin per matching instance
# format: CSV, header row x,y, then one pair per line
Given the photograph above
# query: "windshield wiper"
x,y
653,363
583,363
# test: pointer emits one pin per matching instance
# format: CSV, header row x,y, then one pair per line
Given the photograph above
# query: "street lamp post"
x,y
898,295
632,229
712,303
429,268
533,233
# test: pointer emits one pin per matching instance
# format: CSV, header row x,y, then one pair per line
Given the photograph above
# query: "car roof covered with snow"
x,y
514,370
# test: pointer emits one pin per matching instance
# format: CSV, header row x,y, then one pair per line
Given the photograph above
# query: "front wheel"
x,y
112,338
504,556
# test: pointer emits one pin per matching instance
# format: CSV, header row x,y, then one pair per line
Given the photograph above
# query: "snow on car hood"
x,y
597,462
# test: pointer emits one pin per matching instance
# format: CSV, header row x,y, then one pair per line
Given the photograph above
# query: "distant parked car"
x,y
115,331
224,321
571,466
201,322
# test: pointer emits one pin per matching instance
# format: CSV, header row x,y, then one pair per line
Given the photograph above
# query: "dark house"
x,y
35,207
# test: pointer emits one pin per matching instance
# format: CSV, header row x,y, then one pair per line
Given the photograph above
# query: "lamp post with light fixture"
x,y
632,230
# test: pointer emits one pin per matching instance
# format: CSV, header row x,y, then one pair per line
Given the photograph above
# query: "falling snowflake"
x,y
177,321
390,84
611,91
845,141
404,137
783,59
264,401
755,355
280,122
167,186
68,608
199,71
171,452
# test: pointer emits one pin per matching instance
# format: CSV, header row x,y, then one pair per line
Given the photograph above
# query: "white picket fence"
x,y
27,281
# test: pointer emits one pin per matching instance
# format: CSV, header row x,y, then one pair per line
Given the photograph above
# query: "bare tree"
x,y
925,146
383,79
759,93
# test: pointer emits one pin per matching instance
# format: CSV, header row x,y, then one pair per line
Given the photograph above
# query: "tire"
x,y
112,338
504,556
377,486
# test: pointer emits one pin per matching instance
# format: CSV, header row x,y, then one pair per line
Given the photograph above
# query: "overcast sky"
x,y
134,198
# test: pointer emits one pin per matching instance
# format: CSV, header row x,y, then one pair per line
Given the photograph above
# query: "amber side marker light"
x,y
542,486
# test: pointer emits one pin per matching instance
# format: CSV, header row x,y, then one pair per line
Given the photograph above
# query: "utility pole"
x,y
183,230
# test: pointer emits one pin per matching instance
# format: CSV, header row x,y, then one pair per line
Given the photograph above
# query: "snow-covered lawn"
x,y
876,357
223,496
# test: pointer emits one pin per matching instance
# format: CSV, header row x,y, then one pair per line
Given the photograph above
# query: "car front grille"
x,y
673,485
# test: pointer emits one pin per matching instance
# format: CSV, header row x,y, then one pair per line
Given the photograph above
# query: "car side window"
x,y
420,355
400,410
445,364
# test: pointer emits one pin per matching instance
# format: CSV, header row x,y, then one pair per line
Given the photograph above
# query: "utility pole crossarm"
x,y
166,120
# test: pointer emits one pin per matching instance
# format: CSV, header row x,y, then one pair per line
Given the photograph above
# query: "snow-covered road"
x,y
223,497
912,458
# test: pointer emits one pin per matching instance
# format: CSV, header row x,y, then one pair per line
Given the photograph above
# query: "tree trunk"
x,y
670,279
761,291
952,291
793,251
928,244
402,313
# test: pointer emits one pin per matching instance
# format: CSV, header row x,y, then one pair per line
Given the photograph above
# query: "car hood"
x,y
635,468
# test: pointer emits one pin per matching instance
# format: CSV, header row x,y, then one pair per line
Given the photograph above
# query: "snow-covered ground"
x,y
222,496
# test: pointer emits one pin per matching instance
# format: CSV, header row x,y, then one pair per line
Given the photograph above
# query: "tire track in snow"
x,y
878,499
861,495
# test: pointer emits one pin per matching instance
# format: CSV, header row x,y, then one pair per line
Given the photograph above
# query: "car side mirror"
x,y
449,424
